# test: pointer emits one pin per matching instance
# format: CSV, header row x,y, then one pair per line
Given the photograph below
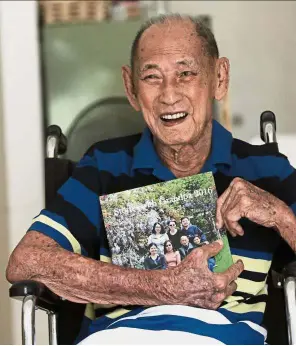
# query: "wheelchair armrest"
x,y
289,274
290,270
45,298
55,131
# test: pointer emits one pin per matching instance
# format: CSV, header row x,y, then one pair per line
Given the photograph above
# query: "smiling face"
x,y
153,250
184,240
172,225
157,228
168,247
185,222
174,83
196,240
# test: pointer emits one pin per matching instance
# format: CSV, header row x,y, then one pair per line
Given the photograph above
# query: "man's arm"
x,y
286,226
200,234
78,278
203,237
82,280
243,199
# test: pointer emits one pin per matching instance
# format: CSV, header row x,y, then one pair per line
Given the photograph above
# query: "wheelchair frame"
x,y
35,295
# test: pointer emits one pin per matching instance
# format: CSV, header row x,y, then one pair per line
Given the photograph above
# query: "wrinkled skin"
x,y
193,272
172,74
243,199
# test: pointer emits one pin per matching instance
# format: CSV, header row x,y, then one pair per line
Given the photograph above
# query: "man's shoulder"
x,y
259,161
244,149
112,155
114,145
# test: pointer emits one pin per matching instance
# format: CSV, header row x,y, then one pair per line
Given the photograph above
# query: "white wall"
x,y
259,39
5,311
21,160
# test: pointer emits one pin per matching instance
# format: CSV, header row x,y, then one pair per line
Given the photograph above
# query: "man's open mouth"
x,y
173,116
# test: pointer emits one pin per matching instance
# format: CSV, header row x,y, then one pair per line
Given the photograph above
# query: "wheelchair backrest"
x,y
108,118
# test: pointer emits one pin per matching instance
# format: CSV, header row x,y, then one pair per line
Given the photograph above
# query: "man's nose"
x,y
170,94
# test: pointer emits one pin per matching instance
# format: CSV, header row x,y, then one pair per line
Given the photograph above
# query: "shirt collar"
x,y
146,157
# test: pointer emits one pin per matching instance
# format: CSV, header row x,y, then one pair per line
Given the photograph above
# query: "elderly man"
x,y
175,75
186,247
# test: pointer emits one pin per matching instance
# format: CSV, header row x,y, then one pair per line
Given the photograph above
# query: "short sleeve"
x,y
73,219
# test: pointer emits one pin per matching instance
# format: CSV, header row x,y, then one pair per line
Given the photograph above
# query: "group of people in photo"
x,y
168,248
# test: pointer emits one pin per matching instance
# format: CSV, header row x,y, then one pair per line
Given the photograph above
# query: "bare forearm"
x,y
81,279
286,226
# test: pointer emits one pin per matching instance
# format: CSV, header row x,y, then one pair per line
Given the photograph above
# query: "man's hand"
x,y
194,284
242,199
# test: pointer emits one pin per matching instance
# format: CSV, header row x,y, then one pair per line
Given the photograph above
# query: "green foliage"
x,y
134,212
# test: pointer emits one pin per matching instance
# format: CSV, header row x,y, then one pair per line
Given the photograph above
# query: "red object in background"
x,y
70,11
123,1
122,9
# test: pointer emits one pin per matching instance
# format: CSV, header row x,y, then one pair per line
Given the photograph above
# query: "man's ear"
x,y
127,77
222,78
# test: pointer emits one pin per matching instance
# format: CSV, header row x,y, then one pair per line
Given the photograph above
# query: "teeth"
x,y
174,116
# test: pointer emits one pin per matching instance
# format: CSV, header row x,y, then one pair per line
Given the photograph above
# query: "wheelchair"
x,y
65,318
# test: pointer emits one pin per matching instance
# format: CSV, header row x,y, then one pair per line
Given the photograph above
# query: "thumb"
x,y
214,248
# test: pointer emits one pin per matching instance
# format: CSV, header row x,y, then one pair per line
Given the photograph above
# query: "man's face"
x,y
184,240
185,222
174,83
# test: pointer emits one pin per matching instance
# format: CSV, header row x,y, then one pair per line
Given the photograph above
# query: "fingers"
x,y
214,301
231,288
234,228
225,284
233,271
230,207
220,204
220,296
212,249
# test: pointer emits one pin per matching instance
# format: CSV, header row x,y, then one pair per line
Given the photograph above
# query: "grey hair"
x,y
209,43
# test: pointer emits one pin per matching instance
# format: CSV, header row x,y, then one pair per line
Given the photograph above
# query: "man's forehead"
x,y
170,44
167,37
171,28
155,62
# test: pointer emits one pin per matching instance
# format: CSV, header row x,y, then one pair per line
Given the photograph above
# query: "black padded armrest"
x,y
45,299
278,276
290,270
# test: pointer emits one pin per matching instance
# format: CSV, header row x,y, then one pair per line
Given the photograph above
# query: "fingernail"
x,y
219,241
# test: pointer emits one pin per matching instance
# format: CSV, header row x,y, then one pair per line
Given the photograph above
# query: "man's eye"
x,y
151,76
186,73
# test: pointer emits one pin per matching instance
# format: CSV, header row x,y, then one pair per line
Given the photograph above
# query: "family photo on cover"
x,y
157,226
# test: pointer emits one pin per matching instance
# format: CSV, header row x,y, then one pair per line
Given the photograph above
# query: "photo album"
x,y
157,226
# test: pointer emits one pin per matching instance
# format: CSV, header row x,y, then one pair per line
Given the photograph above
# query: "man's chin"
x,y
175,142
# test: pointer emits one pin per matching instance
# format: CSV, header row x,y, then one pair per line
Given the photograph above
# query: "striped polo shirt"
x,y
74,219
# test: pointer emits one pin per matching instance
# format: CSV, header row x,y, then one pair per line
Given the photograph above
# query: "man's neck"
x,y
188,159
